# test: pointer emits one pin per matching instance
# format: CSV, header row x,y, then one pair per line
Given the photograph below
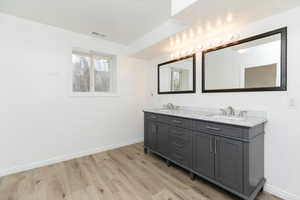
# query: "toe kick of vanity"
x,y
229,156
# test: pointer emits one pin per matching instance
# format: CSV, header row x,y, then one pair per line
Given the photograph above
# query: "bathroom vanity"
x,y
228,153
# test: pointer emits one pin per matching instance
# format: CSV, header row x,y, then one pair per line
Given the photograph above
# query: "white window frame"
x,y
114,76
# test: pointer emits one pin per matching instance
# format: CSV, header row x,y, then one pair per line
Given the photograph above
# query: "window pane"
x,y
81,73
103,75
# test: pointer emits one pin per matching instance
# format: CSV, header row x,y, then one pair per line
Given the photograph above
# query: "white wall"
x,y
40,122
282,160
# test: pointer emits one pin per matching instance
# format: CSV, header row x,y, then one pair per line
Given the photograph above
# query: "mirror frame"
x,y
283,75
176,60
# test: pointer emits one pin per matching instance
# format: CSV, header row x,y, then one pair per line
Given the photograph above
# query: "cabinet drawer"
x,y
156,117
180,146
220,129
179,133
180,122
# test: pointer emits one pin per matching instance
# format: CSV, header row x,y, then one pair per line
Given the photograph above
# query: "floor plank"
x,y
121,174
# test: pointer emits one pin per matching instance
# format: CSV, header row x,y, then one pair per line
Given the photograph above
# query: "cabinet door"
x,y
162,138
229,163
203,154
180,146
151,134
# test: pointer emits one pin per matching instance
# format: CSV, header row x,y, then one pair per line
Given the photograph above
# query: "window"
x,y
93,73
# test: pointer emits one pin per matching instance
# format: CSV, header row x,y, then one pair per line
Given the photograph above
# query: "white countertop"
x,y
210,115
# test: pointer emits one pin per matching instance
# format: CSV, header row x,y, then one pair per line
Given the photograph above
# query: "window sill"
x,y
94,94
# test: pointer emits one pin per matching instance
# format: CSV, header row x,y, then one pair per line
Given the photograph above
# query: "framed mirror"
x,y
177,76
257,63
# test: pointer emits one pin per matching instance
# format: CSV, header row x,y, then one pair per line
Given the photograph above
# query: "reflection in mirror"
x,y
176,76
248,65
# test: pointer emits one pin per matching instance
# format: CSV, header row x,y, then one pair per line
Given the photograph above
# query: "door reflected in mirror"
x,y
177,76
253,64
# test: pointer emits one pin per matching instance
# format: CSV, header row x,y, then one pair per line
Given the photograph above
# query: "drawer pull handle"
x,y
215,146
153,117
213,128
177,121
210,145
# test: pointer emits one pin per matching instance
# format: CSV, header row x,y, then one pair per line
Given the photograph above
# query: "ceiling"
x,y
203,12
131,18
144,26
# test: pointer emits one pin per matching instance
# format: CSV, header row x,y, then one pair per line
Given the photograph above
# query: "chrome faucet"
x,y
228,111
231,111
243,113
171,106
224,111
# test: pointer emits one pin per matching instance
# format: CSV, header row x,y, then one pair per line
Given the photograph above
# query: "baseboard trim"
x,y
62,158
280,193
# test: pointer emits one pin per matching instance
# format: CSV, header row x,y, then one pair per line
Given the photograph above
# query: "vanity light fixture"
x,y
189,37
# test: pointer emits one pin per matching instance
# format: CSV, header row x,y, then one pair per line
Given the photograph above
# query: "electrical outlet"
x,y
292,103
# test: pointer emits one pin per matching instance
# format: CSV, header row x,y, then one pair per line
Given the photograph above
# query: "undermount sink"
x,y
166,110
234,118
178,111
202,114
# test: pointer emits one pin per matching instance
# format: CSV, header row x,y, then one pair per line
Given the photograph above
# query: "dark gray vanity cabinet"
x,y
162,138
156,135
151,134
229,156
203,154
220,159
229,163
180,145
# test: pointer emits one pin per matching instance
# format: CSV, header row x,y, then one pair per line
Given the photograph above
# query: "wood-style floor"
x,y
120,174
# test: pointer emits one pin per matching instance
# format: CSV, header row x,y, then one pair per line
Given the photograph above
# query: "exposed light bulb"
x,y
182,53
229,18
183,36
191,51
219,22
208,27
199,30
237,35
171,42
191,34
177,40
198,48
177,55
